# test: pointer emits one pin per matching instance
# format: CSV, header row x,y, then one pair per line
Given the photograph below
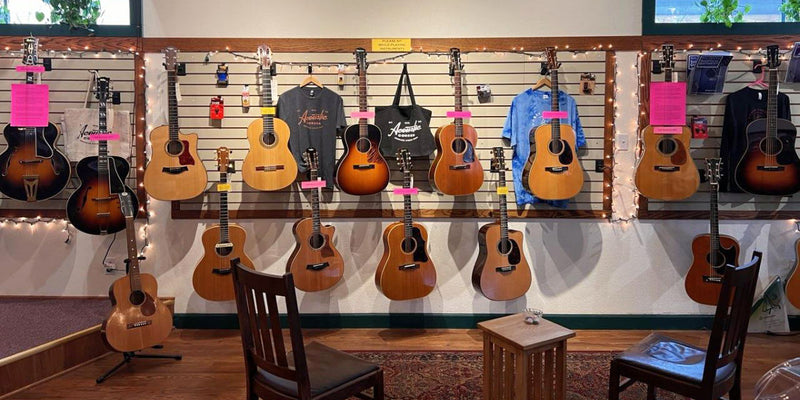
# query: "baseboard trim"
x,y
465,321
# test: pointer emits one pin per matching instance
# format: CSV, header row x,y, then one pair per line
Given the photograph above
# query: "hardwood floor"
x,y
212,366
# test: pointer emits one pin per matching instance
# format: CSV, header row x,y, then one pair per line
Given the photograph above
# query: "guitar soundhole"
x,y
771,146
720,261
556,146
137,297
269,138
409,245
224,251
504,246
316,241
175,147
667,146
363,145
459,145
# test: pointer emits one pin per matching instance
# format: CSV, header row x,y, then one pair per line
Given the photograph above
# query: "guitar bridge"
x,y
31,183
667,168
221,271
507,268
712,279
139,324
104,198
770,168
557,170
25,162
174,170
364,166
268,168
408,267
460,166
318,266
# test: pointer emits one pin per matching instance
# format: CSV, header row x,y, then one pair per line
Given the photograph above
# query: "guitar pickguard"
x,y
566,156
185,158
420,253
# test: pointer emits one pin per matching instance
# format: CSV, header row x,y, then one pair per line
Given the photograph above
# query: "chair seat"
x,y
327,369
662,354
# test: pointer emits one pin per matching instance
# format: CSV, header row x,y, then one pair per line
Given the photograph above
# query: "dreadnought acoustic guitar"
x,y
138,319
711,252
32,168
212,278
362,170
269,165
501,271
406,270
666,171
770,166
553,171
315,263
793,281
175,171
456,169
94,207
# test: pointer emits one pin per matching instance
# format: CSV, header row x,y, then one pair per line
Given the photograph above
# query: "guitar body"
x,y
793,281
399,283
269,165
315,263
94,207
696,286
782,176
666,170
500,285
218,285
553,175
362,170
26,176
450,172
174,177
132,327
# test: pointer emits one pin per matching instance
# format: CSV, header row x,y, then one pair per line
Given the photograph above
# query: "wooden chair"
x,y
701,374
313,371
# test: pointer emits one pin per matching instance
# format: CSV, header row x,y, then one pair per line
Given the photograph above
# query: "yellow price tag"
x,y
223,187
502,190
267,110
392,45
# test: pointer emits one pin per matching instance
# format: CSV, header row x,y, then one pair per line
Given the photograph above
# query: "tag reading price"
x,y
405,191
267,110
305,185
502,190
223,187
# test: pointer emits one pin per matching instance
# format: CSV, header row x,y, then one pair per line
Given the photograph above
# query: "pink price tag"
x,y
312,184
668,103
555,115
103,136
459,114
362,114
30,68
30,105
667,130
405,191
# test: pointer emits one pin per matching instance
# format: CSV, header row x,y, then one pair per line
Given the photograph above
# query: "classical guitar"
x,y
710,252
138,319
553,171
501,271
175,171
212,278
456,169
666,171
315,263
32,168
770,166
269,165
793,281
406,270
362,169
94,207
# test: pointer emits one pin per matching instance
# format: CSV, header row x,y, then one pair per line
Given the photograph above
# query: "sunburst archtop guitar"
x,y
175,170
269,165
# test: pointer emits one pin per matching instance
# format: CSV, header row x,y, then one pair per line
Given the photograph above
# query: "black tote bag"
x,y
405,126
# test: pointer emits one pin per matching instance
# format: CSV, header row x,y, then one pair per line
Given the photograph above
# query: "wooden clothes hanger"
x,y
544,81
310,79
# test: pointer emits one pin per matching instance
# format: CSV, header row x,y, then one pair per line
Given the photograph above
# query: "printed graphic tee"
x,y
314,115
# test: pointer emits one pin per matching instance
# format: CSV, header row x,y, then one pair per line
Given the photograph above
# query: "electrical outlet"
x,y
110,265
622,141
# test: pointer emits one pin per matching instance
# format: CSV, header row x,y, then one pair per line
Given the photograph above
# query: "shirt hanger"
x,y
310,79
543,82
760,81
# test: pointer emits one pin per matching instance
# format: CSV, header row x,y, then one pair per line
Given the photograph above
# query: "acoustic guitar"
x,y
94,207
666,171
793,281
712,251
212,278
456,169
175,171
770,165
315,263
553,171
32,168
362,170
501,271
269,165
138,319
406,270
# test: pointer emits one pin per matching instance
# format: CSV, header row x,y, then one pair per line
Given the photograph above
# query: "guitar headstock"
x,y
713,170
30,50
773,56
455,60
404,160
312,159
361,59
668,56
498,159
264,55
552,58
103,91
171,59
126,205
224,162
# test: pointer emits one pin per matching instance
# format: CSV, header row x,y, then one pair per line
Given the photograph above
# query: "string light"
x,y
48,223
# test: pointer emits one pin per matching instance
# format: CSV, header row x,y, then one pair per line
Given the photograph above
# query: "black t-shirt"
x,y
314,116
741,108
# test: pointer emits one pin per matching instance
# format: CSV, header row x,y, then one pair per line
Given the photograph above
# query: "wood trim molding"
x,y
61,43
609,121
513,214
723,42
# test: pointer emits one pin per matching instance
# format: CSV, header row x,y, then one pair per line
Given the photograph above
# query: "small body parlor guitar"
x,y
501,271
405,270
793,281
315,263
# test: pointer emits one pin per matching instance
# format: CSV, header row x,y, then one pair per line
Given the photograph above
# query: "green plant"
x,y
723,11
75,13
791,8
5,15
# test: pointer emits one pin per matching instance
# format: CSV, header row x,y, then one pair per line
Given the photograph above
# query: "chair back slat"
x,y
262,333
275,327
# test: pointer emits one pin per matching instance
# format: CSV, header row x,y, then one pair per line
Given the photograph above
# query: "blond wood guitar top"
x,y
187,177
269,166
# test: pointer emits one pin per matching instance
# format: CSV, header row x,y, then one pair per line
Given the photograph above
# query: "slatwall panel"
x,y
68,81
508,75
732,205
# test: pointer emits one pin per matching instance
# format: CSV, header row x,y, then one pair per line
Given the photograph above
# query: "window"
x,y
684,17
116,18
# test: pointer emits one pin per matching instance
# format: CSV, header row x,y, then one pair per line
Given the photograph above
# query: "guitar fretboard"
x,y
102,145
407,221
362,101
772,104
172,97
714,216
266,99
459,122
223,210
503,207
133,256
555,123
314,202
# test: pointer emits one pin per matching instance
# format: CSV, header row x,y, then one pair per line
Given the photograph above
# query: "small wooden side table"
x,y
523,361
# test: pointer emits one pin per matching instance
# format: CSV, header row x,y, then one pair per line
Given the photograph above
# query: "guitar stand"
x,y
128,356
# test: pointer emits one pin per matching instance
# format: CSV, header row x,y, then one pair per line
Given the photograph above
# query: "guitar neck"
x,y
223,210
133,255
362,101
772,104
714,217
172,97
503,206
459,122
266,99
407,221
555,123
314,204
102,145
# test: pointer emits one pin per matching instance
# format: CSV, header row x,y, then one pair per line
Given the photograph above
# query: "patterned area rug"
x,y
457,375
